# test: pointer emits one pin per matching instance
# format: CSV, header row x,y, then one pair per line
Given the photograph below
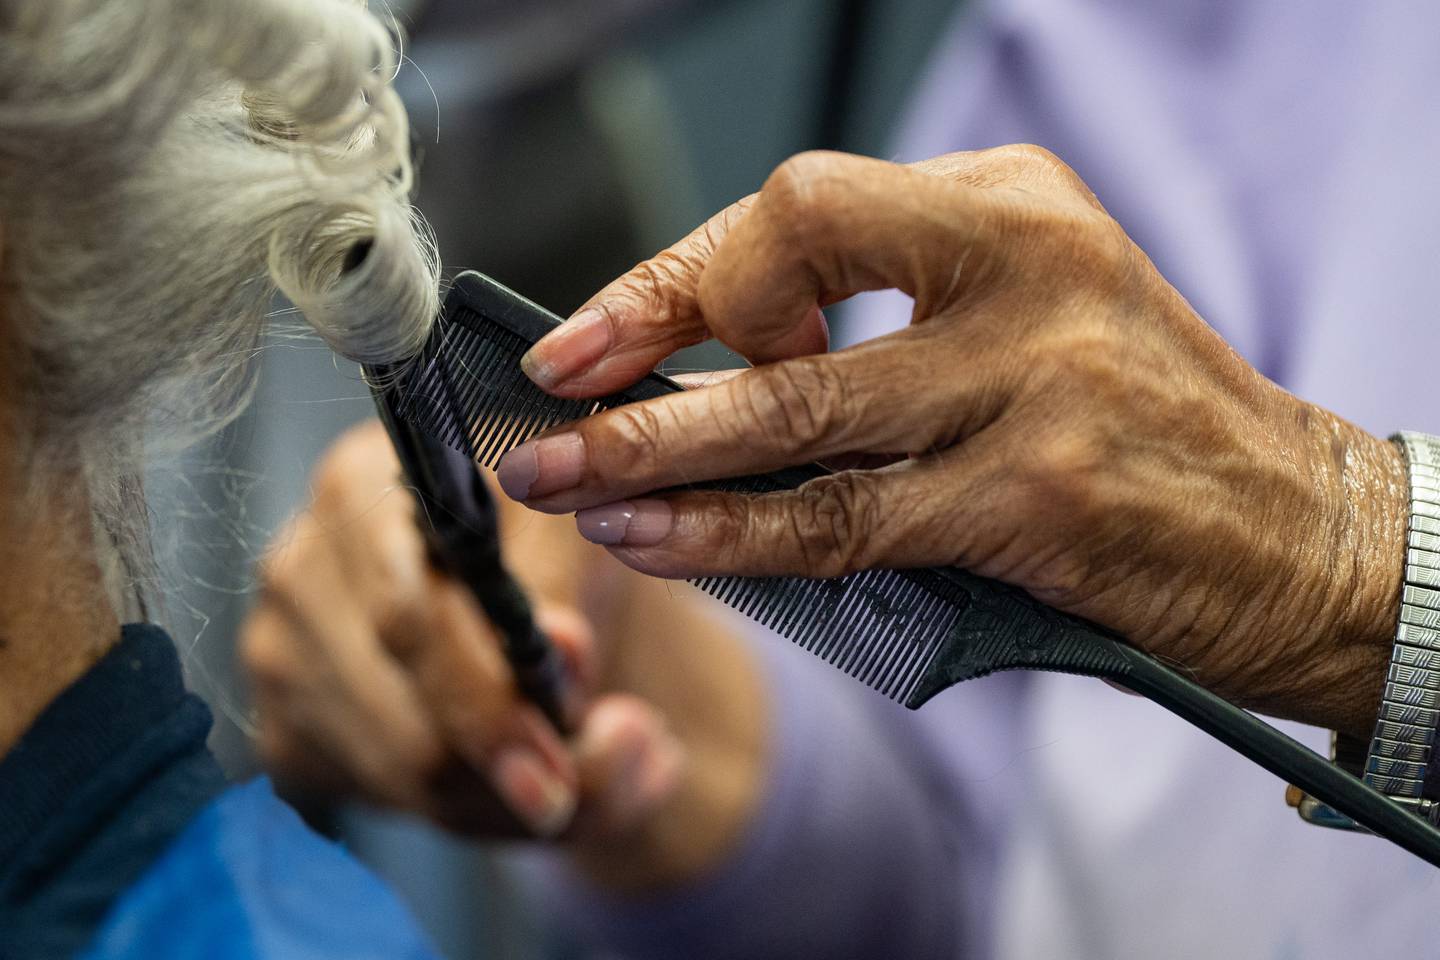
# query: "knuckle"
x,y
1071,454
1034,157
1027,156
334,477
391,608
1086,359
803,400
1063,580
973,166
635,437
1062,476
428,761
796,176
396,584
481,721
400,621
1103,254
1089,362
270,572
329,492
401,769
653,284
736,530
833,521
355,478
802,192
1035,166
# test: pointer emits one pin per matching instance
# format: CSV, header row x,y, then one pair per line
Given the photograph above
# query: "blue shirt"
x,y
120,839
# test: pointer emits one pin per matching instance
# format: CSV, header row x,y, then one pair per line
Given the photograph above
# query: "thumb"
x,y
574,637
629,764
827,226
623,331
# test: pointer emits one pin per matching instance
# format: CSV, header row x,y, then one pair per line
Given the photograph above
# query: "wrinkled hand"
x,y
377,677
1056,416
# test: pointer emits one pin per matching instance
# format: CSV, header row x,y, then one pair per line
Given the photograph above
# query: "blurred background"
x,y
563,141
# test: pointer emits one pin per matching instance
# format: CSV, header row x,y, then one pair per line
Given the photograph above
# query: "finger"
x,y
630,326
828,225
630,765
434,628
898,394
627,328
468,686
1023,165
923,512
330,680
366,515
850,460
300,764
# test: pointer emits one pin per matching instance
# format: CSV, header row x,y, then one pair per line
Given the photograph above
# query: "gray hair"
x,y
168,166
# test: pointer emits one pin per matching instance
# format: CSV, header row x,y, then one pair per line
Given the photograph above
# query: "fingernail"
x,y
822,325
542,467
570,349
532,791
631,523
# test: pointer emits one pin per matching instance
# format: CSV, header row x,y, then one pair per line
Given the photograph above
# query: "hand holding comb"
x,y
907,633
461,526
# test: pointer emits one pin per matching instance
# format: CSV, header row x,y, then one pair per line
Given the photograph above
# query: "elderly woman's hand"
x,y
1056,416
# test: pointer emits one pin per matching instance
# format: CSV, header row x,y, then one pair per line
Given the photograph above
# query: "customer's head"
x,y
165,166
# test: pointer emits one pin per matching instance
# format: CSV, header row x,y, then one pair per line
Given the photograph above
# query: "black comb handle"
x,y
540,671
458,518
1002,628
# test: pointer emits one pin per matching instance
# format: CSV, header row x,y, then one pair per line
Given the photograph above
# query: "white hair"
x,y
165,167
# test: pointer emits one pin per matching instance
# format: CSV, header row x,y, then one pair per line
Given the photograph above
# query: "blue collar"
x,y
103,780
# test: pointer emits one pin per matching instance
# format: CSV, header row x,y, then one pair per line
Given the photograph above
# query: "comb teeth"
x,y
882,627
481,377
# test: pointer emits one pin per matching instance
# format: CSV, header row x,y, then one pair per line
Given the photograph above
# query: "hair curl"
x,y
167,166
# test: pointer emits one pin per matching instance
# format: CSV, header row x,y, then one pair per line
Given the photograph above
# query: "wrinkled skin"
x,y
1056,414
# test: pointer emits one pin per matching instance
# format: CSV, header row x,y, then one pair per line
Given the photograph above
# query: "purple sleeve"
x,y
863,845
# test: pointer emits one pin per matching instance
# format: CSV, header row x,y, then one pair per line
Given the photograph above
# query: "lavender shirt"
x,y
1278,162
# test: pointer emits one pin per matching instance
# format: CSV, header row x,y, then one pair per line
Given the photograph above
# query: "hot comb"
x,y
907,633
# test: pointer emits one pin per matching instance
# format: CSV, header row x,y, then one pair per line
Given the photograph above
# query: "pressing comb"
x,y
907,633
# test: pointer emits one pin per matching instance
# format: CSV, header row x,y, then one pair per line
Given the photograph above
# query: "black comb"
x,y
907,633
456,514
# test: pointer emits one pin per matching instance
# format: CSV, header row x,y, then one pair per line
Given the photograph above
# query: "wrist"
x,y
1365,591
